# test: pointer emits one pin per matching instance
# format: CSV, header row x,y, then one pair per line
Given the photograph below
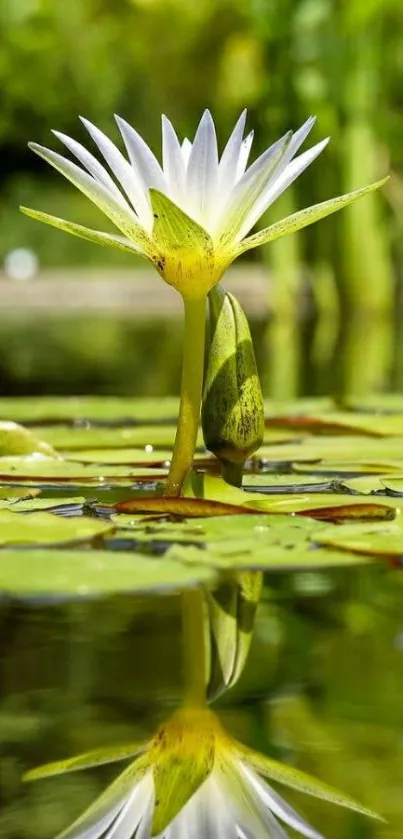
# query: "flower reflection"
x,y
193,780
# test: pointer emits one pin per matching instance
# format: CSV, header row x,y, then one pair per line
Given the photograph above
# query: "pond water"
x,y
322,690
135,355
92,569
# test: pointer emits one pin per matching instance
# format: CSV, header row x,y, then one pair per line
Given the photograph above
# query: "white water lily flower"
x,y
192,780
190,216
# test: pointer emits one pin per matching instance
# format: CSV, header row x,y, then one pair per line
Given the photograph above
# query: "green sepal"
x,y
97,757
184,759
173,229
98,237
295,779
304,218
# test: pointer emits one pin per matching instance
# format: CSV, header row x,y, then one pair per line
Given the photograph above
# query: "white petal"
x,y
247,191
251,818
92,828
90,162
127,177
244,155
144,828
141,157
205,816
172,159
186,148
132,812
279,184
279,807
124,218
201,178
228,165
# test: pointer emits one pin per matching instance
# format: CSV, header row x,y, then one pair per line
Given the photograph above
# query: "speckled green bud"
x,y
232,411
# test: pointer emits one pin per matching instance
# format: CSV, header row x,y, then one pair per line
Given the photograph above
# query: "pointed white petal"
x,y
141,156
243,805
97,237
91,828
144,828
228,165
201,178
280,183
172,159
205,816
186,148
126,175
93,823
248,190
299,137
244,155
91,163
131,814
278,806
124,218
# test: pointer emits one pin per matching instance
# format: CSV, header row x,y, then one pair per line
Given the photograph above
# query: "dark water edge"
x,y
322,690
313,355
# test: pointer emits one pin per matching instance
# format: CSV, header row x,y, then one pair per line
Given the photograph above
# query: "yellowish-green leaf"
x,y
304,218
96,757
291,777
98,237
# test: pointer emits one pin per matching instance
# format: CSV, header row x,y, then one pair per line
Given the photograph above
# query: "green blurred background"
x,y
284,59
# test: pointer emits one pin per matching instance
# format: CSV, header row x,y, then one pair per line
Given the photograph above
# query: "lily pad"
x,y
240,542
48,471
385,541
44,528
80,574
104,409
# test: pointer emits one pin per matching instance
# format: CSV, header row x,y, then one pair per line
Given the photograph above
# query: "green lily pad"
x,y
48,471
88,437
44,528
240,542
81,574
371,540
342,422
95,408
30,505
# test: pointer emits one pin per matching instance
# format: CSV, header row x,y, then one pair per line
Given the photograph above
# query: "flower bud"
x,y
232,411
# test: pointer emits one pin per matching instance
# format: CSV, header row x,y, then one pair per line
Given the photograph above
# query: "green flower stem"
x,y
194,647
191,393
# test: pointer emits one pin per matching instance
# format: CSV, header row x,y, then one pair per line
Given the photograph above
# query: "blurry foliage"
x,y
284,59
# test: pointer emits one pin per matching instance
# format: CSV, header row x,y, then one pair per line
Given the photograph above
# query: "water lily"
x,y
191,218
193,780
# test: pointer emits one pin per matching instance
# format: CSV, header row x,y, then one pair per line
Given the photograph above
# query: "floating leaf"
x,y
47,471
83,573
45,528
375,540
